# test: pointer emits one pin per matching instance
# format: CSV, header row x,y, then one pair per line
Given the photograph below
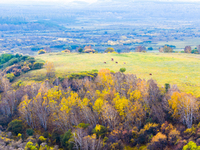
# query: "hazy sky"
x,y
89,1
19,1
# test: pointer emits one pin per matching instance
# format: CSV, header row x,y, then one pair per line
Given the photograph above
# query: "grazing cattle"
x,y
150,74
116,62
124,63
112,59
104,62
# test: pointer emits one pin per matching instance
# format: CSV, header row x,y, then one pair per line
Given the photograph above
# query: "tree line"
x,y
108,111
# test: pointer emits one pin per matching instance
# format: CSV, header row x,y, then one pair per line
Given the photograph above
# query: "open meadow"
x,y
172,68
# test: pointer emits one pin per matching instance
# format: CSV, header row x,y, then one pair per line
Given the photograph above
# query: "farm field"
x,y
173,68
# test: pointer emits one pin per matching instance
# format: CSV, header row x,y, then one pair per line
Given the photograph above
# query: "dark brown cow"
x,y
116,62
104,62
150,74
112,59
124,63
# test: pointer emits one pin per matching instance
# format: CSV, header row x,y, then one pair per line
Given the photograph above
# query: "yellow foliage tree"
x,y
50,69
121,104
67,113
98,105
184,107
105,79
26,112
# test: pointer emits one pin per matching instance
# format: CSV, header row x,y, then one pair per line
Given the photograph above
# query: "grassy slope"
x,y
180,69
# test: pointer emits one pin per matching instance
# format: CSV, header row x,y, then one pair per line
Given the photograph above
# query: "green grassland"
x,y
173,68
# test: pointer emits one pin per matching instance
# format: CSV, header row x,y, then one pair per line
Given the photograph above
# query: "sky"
x,y
65,1
88,1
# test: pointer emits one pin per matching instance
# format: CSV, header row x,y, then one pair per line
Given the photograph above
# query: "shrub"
x,y
109,49
122,69
65,139
173,137
116,146
190,131
25,69
89,51
18,84
29,132
84,74
25,58
56,137
159,137
80,50
37,65
16,72
194,51
66,51
31,60
83,125
167,86
13,61
30,146
41,139
191,146
135,132
5,58
166,128
4,120
111,71
10,76
159,141
46,134
41,52
100,131
15,126
149,128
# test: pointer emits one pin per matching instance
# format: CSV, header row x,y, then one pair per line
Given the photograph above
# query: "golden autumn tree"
x,y
136,114
25,110
50,69
184,107
121,105
68,115
132,112
105,79
110,115
87,114
36,111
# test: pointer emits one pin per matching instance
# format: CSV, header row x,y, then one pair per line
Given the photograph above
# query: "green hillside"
x,y
173,68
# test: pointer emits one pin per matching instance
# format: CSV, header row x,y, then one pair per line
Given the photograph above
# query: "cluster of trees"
x,y
42,51
188,49
87,49
10,59
109,50
14,65
140,49
108,111
166,49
